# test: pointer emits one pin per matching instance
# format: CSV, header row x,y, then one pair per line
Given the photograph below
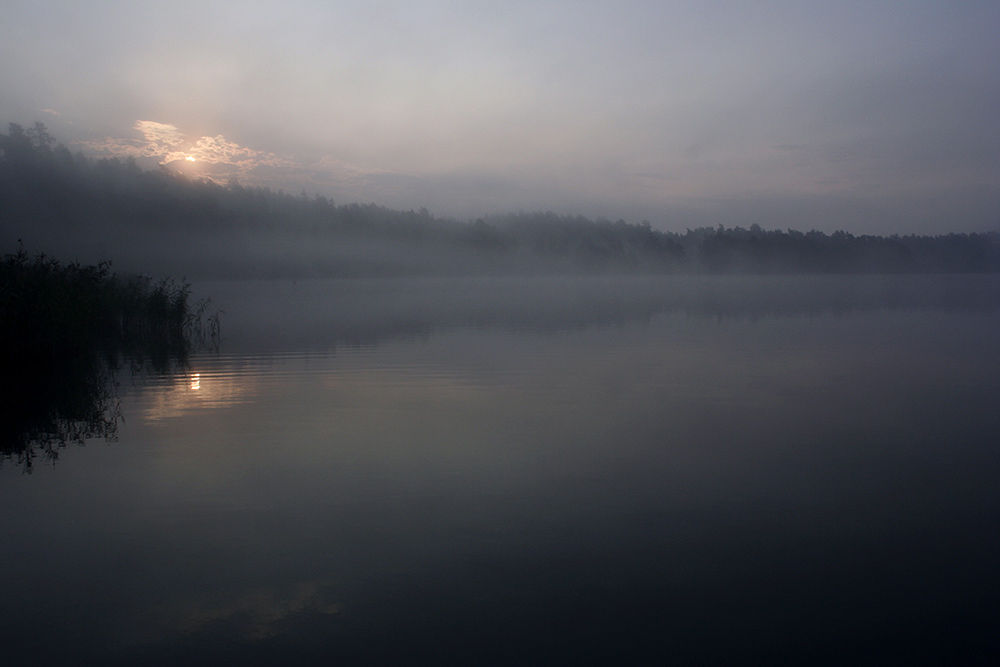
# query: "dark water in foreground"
x,y
699,470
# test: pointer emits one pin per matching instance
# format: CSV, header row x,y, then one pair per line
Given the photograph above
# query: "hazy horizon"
x,y
871,118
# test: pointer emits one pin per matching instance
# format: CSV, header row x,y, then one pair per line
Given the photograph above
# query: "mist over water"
x,y
516,333
702,469
160,222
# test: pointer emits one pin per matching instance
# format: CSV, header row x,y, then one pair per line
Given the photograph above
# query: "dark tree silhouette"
x,y
160,220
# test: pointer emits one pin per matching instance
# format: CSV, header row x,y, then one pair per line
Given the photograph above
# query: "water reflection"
x,y
213,385
647,481
49,406
250,616
321,314
71,395
71,400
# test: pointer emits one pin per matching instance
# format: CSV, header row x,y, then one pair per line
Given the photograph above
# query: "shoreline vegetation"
x,y
68,329
160,221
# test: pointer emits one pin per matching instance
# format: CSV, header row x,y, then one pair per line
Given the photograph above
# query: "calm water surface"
x,y
708,470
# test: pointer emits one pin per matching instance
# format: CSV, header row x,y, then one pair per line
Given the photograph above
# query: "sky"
x,y
871,117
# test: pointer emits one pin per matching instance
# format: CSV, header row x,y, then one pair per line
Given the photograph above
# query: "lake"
x,y
701,470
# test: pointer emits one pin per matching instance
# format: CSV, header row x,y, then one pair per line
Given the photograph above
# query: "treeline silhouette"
x,y
158,220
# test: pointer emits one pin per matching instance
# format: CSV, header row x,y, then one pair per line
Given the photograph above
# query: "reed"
x,y
67,329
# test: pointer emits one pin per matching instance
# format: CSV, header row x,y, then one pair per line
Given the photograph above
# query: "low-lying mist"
x,y
159,222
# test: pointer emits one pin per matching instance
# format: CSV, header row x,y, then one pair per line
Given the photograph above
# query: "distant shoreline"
x,y
160,222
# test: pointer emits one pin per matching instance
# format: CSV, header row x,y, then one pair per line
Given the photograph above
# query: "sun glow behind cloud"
x,y
217,157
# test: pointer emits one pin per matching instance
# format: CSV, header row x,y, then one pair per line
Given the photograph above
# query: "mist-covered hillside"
x,y
157,221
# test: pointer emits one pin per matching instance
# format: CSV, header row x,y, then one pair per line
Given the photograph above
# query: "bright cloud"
x,y
168,144
158,140
218,150
219,159
159,135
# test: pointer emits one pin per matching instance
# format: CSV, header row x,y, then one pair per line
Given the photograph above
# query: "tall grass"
x,y
66,329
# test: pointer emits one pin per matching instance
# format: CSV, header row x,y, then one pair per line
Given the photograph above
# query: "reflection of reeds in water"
x,y
67,329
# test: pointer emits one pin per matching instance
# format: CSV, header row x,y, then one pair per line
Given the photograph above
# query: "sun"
x,y
190,158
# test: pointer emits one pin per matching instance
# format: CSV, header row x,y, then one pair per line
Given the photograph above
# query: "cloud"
x,y
219,159
214,157
341,170
159,140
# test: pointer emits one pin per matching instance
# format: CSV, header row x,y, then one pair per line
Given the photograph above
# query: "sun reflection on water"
x,y
212,387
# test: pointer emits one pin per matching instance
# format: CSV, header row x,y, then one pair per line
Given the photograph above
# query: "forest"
x,y
160,222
